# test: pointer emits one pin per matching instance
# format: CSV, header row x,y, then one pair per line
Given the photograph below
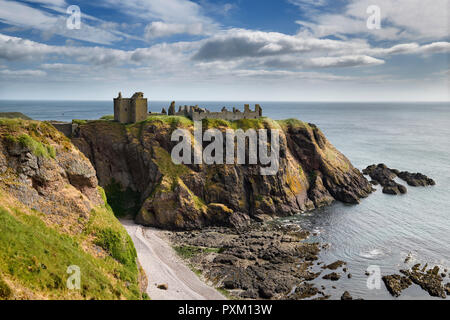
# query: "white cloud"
x,y
58,3
22,73
169,17
159,29
401,20
172,11
22,15
410,48
234,50
344,61
421,19
239,43
13,48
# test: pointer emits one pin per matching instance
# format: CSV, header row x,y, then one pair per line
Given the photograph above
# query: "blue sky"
x,y
288,50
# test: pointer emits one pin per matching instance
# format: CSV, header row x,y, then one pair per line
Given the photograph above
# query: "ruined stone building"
x,y
130,110
195,113
135,109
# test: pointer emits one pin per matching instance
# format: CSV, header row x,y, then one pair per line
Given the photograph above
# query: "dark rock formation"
x,y
312,174
385,176
429,280
335,265
332,276
416,179
261,262
346,296
396,284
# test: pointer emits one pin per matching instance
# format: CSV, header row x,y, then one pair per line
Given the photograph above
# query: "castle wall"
x,y
122,109
197,114
66,128
139,110
130,110
224,115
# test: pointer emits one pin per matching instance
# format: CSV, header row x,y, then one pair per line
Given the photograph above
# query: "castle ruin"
x,y
130,110
196,114
135,109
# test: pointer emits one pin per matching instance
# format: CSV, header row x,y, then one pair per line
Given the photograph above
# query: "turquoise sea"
x,y
383,229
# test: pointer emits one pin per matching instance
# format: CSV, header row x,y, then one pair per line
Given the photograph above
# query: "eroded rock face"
x,y
312,174
61,183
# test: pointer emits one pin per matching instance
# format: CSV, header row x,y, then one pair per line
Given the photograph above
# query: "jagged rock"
x,y
335,265
394,189
429,281
396,284
249,294
332,276
256,261
346,296
163,286
318,193
305,290
380,173
385,176
265,292
416,179
61,184
239,220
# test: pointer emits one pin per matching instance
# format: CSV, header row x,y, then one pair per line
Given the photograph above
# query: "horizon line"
x,y
252,100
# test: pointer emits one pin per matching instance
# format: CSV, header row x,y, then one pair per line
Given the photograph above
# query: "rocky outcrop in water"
x,y
137,158
396,284
429,280
346,296
385,176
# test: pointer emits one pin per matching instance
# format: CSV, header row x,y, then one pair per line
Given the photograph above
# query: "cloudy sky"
x,y
288,50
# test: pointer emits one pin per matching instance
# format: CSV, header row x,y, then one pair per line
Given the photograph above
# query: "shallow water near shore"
x,y
383,229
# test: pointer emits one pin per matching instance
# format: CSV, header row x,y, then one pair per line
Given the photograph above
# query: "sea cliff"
x,y
134,165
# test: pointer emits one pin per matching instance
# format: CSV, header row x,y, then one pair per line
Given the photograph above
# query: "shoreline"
x,y
164,268
262,262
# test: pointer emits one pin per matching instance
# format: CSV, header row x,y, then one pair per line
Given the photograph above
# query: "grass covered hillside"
x,y
53,215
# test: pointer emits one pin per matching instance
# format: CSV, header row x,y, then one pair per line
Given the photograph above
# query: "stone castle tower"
x,y
130,110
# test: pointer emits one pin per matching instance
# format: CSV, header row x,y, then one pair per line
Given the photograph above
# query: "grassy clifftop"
x,y
53,216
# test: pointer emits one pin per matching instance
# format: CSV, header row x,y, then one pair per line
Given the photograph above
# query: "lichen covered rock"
x,y
312,173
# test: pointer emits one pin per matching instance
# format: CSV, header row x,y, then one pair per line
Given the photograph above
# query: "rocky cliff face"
x,y
53,215
137,158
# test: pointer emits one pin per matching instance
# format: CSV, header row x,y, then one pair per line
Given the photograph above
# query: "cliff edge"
x,y
134,165
55,221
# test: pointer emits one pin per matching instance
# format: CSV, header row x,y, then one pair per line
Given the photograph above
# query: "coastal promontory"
x,y
133,163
